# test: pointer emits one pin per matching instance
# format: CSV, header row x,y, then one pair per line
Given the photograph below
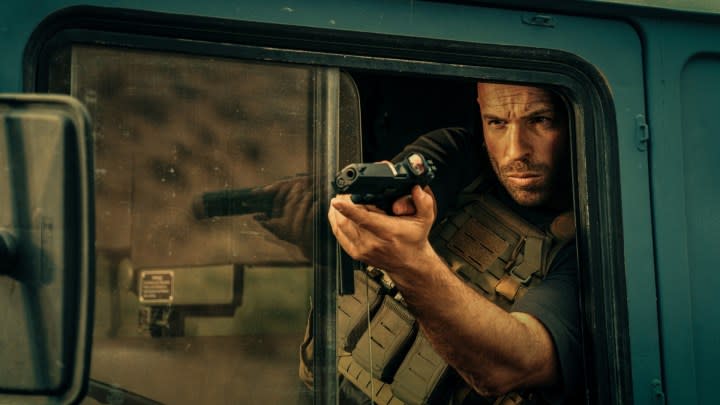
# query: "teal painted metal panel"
x,y
698,6
700,83
683,80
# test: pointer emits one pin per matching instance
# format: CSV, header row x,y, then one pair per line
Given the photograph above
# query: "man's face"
x,y
526,139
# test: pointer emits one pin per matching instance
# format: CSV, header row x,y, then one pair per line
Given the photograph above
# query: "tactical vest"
x,y
487,245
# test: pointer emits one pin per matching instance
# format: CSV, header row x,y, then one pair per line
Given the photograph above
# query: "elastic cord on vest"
x,y
369,329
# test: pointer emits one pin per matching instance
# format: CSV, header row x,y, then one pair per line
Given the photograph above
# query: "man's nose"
x,y
518,146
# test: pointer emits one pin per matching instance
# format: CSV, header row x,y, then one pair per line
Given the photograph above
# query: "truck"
x,y
118,115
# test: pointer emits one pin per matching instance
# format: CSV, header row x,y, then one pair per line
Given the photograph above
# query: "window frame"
x,y
595,158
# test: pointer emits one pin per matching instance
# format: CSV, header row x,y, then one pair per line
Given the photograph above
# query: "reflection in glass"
x,y
197,308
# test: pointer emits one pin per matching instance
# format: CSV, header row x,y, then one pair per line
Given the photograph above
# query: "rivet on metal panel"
x,y
658,393
642,133
542,20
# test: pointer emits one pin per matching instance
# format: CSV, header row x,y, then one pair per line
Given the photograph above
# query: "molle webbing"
x,y
422,367
352,313
490,247
361,378
493,249
393,329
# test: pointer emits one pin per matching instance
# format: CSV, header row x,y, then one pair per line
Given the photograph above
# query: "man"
x,y
536,344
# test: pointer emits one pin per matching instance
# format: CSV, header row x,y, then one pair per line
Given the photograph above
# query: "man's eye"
x,y
496,123
541,120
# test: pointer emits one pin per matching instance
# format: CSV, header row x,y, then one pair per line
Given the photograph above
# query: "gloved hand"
x,y
292,213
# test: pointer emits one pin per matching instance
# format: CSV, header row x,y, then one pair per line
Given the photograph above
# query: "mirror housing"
x,y
46,249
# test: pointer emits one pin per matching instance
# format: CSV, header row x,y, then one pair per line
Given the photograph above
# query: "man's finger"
x,y
369,207
375,222
403,206
345,243
424,203
332,219
372,208
428,190
341,224
346,232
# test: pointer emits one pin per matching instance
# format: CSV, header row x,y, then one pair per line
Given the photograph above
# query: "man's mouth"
x,y
524,179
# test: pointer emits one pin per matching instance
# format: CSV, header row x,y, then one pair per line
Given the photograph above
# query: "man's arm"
x,y
493,350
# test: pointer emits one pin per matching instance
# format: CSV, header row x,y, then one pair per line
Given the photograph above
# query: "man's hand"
x,y
292,214
393,243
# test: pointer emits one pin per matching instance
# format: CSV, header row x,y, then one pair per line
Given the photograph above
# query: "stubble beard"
x,y
530,195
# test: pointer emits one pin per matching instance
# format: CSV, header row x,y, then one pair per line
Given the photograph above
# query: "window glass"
x,y
197,308
192,308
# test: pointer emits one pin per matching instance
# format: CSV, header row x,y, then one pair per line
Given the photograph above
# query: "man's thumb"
x,y
424,202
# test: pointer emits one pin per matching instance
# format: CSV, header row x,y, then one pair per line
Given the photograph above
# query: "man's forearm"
x,y
493,350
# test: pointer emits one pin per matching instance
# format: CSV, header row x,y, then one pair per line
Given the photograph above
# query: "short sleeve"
x,y
555,303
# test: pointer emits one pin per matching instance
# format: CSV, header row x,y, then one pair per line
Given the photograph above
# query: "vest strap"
x,y
509,286
532,260
526,265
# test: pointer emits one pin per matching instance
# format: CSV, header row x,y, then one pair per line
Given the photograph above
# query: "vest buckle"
x,y
520,278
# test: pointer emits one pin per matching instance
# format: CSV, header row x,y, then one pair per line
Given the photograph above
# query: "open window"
x,y
194,306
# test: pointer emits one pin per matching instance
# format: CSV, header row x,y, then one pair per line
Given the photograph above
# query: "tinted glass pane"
x,y
189,308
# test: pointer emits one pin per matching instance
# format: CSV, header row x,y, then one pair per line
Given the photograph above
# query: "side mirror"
x,y
46,249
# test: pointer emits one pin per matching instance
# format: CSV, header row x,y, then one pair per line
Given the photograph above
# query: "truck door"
x,y
194,309
683,95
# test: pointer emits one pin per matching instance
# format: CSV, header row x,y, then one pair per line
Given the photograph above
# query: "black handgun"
x,y
242,201
382,183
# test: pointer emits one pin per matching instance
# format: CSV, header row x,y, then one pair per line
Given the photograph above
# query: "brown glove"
x,y
293,212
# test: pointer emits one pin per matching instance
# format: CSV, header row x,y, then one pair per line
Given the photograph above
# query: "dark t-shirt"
x,y
460,158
